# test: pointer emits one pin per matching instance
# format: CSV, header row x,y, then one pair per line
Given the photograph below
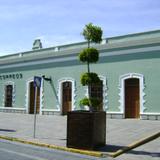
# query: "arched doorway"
x,y
66,97
32,98
132,98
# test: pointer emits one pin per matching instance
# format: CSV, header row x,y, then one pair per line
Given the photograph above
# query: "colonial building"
x,y
129,69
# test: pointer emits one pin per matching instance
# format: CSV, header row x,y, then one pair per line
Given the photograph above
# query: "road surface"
x,y
18,151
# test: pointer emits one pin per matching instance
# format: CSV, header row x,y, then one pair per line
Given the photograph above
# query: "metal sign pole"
x,y
37,84
35,102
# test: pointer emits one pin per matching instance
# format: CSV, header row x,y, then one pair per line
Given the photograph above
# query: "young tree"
x,y
93,34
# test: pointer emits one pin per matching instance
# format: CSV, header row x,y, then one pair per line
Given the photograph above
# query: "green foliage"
x,y
84,102
92,33
89,55
89,78
90,101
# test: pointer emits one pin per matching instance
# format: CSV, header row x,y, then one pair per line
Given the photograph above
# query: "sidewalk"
x,y
52,130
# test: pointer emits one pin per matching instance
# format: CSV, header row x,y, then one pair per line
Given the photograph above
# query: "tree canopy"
x,y
92,33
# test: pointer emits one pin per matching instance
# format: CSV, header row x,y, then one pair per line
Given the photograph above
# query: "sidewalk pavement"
x,y
120,133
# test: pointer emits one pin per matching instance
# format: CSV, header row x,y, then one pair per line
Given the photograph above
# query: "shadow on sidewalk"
x,y
110,148
7,130
152,154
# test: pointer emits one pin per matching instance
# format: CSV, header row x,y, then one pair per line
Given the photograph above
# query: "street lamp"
x,y
46,79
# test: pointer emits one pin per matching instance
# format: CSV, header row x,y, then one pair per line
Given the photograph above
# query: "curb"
x,y
86,152
134,145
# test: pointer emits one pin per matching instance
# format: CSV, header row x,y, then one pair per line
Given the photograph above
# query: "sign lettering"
x,y
11,76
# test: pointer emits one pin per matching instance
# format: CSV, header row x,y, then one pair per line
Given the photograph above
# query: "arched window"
x,y
8,95
100,91
97,92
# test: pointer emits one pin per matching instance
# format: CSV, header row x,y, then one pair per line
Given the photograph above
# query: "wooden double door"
x,y
132,98
8,95
96,92
66,97
32,99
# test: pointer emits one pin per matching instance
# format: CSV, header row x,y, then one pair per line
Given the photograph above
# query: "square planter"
x,y
86,130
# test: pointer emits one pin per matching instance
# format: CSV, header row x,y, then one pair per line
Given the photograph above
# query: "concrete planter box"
x,y
86,130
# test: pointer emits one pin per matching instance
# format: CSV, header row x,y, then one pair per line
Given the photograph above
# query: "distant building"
x,y
129,68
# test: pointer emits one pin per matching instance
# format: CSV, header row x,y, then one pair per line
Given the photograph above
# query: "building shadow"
x,y
145,153
114,148
7,130
110,148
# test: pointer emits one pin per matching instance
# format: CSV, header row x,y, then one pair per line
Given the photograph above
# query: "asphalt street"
x,y
17,151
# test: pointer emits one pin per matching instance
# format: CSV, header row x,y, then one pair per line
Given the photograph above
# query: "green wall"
x,y
112,67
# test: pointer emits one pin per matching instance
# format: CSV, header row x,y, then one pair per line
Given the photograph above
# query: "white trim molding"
x,y
122,90
105,95
53,59
27,99
50,110
59,90
13,93
11,108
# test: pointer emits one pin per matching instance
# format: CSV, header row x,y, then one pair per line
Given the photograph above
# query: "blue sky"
x,y
58,22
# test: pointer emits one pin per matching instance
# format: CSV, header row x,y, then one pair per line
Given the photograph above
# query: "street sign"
x,y
37,81
37,84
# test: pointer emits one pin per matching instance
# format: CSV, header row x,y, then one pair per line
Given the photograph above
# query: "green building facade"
x,y
128,67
